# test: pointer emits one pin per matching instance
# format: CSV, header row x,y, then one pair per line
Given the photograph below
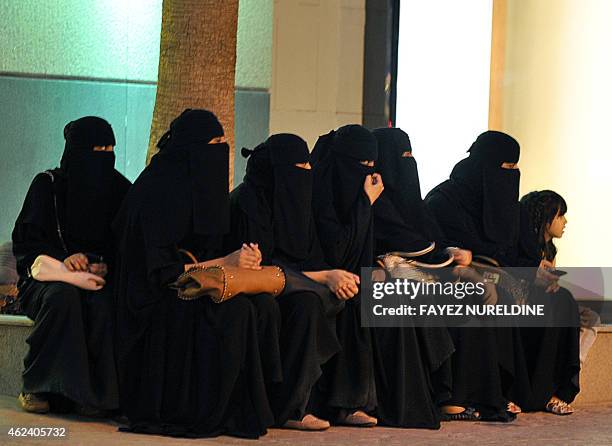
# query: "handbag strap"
x,y
188,254
57,222
487,260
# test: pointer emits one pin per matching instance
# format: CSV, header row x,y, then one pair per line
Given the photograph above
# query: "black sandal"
x,y
468,414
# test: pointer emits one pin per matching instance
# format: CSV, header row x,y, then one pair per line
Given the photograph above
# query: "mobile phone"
x,y
94,258
558,272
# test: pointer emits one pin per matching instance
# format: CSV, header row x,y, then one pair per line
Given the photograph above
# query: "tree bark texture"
x,y
197,64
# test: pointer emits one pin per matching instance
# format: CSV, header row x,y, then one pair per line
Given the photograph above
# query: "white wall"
x,y
317,74
557,95
444,59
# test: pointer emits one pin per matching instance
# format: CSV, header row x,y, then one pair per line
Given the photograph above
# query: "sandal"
x,y
308,423
513,408
357,419
558,407
468,414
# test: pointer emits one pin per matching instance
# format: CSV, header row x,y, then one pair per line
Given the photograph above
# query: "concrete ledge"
x,y
14,330
596,375
21,321
595,378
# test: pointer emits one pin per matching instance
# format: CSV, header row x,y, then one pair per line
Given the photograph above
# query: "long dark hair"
x,y
542,208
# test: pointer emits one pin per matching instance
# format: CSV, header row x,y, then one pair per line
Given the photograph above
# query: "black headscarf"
x,y
90,196
342,211
336,157
401,218
187,180
400,175
488,191
277,197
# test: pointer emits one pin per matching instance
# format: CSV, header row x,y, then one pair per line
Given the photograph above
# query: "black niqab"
x,y
90,197
195,178
402,194
337,156
488,191
277,197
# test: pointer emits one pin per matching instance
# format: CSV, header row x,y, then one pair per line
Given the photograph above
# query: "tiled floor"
x,y
590,425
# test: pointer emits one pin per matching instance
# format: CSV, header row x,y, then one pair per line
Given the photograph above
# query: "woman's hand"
x,y
77,262
547,279
462,257
99,269
373,186
248,256
343,284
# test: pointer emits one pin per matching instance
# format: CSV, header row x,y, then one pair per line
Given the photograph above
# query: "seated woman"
x,y
413,378
542,220
477,208
67,215
273,208
479,205
344,190
186,367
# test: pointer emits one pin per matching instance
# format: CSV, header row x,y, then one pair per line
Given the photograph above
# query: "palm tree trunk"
x,y
197,63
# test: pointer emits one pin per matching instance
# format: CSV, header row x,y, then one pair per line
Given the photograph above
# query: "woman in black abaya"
x,y
477,208
402,221
67,215
413,364
273,208
344,189
186,368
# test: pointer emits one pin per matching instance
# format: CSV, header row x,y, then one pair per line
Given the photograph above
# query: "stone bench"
x,y
14,331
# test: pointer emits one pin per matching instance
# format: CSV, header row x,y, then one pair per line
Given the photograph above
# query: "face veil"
x,y
277,196
488,191
338,156
400,175
195,178
90,175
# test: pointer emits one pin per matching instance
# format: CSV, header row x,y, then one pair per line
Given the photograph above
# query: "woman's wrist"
x,y
325,278
321,277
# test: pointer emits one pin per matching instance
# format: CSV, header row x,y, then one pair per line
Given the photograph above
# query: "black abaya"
x,y
413,368
480,374
272,208
488,365
552,353
186,368
343,217
71,354
80,323
487,221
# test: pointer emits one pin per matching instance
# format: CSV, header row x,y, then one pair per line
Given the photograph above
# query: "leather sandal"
x,y
357,418
308,423
559,407
33,403
513,408
468,414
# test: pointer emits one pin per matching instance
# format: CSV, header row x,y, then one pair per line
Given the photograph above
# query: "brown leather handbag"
x,y
221,283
